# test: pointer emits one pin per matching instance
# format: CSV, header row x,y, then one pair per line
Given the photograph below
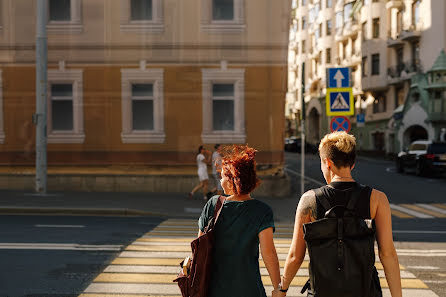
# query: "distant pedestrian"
x,y
203,157
216,171
337,223
244,224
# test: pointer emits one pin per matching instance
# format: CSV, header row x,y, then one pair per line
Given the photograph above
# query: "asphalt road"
x,y
379,174
60,256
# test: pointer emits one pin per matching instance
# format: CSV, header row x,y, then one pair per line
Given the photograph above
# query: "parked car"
x,y
423,157
294,144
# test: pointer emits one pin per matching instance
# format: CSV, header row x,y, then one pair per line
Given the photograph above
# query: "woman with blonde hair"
x,y
337,156
244,224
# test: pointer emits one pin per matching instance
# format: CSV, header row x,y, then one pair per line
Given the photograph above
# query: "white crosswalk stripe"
x,y
148,265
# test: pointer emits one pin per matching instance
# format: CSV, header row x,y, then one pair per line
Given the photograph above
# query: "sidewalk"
x,y
165,205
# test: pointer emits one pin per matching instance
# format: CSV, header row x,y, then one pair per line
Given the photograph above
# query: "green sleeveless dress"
x,y
235,269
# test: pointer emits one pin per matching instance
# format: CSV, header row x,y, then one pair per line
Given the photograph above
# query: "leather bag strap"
x,y
218,207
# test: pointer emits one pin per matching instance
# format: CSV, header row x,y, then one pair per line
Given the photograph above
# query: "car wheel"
x,y
399,166
419,170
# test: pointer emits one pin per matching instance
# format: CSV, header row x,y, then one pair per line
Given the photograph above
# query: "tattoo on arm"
x,y
307,205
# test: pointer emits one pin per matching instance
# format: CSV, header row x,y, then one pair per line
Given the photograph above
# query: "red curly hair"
x,y
238,162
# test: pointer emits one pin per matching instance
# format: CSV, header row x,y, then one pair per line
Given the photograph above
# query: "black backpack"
x,y
341,249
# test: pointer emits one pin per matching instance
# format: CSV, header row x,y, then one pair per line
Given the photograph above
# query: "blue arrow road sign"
x,y
338,77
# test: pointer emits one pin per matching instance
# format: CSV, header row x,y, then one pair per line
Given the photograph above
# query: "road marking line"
x,y
192,210
176,262
306,177
424,210
194,225
423,267
433,208
419,231
168,278
411,212
163,269
400,214
123,295
193,235
59,226
152,290
59,246
193,232
443,206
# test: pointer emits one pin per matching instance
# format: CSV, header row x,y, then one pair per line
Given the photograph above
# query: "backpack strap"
x,y
355,194
322,199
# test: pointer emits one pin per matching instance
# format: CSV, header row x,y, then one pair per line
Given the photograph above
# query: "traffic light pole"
x,y
40,117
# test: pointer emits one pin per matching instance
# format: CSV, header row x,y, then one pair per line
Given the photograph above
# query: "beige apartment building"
x,y
394,50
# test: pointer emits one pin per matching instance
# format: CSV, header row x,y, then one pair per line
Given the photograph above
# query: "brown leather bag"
x,y
196,283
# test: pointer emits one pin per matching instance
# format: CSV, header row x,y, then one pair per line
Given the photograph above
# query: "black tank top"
x,y
336,192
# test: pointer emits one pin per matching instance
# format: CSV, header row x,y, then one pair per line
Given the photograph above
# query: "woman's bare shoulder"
x,y
377,199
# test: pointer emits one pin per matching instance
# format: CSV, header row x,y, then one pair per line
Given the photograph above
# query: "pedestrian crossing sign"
x,y
339,102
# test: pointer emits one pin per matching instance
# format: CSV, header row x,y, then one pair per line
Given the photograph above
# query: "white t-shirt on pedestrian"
x,y
216,162
202,168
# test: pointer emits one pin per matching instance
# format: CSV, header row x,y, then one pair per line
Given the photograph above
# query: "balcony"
x,y
437,110
351,29
339,5
403,71
410,35
339,34
394,4
395,42
353,60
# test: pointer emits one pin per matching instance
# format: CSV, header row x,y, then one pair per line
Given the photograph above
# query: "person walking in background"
x,y
243,224
331,272
203,157
216,171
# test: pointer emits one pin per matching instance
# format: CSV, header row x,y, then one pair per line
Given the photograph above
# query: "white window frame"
x,y
155,25
67,76
73,26
237,25
143,76
224,76
2,131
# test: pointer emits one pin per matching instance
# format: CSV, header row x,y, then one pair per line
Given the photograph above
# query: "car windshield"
x,y
437,148
417,147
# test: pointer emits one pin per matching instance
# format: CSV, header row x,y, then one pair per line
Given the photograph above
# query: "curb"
x,y
80,211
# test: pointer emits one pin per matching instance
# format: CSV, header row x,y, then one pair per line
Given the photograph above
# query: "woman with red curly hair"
x,y
243,224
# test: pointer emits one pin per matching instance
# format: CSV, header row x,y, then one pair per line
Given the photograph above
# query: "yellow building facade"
x,y
145,82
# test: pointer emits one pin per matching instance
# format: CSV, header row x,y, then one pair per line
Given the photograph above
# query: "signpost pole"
x,y
41,97
302,126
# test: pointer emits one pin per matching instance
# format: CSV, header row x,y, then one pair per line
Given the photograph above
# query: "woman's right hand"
x,y
277,293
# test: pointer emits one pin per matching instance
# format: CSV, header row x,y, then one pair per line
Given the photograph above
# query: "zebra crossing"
x,y
419,210
148,266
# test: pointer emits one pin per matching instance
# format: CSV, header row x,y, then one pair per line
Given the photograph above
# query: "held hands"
x,y
277,293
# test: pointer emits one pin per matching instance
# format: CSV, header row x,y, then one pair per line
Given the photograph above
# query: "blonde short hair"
x,y
340,147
